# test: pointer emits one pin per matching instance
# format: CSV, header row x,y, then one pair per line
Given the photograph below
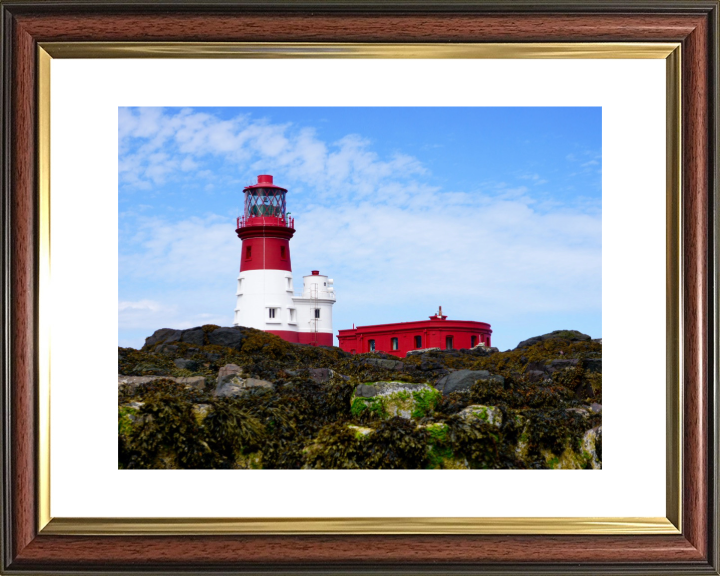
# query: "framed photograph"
x,y
79,80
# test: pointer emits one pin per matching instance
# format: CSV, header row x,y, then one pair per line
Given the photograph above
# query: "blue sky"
x,y
493,213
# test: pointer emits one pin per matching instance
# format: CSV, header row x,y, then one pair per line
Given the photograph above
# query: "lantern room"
x,y
264,201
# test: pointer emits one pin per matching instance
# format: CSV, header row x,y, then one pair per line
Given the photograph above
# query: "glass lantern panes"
x,y
265,202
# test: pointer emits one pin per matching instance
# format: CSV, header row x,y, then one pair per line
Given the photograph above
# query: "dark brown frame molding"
x,y
693,23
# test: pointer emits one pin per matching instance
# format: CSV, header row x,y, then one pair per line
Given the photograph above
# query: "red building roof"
x,y
402,337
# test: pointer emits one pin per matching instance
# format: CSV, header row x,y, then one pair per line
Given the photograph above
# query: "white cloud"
x,y
149,136
497,254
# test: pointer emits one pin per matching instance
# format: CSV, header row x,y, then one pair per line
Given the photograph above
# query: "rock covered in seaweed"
x,y
266,403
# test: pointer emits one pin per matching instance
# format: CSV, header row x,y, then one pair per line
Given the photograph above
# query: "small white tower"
x,y
315,309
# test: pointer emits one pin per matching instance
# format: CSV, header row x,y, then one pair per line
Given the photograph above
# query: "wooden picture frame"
x,y
29,547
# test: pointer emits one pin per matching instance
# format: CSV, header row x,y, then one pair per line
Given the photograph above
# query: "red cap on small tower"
x,y
316,272
265,179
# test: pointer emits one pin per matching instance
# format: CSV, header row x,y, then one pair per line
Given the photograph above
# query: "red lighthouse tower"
x,y
265,228
265,297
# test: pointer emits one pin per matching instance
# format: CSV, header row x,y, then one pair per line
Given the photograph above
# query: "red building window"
x,y
371,345
473,341
282,252
248,252
418,341
448,342
394,343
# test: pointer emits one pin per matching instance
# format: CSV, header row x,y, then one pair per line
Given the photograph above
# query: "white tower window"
x,y
271,312
317,312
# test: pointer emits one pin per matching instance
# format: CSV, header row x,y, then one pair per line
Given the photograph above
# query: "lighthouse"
x,y
265,293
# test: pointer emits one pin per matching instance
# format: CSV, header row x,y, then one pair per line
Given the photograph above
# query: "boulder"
x,y
164,335
228,337
366,391
321,375
385,364
490,414
482,350
464,379
569,335
422,351
429,365
193,381
230,389
256,383
228,372
186,364
237,386
390,399
194,336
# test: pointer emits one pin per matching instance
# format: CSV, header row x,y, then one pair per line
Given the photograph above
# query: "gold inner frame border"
x,y
671,524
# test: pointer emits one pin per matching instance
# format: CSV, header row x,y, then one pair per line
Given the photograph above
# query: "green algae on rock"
x,y
390,399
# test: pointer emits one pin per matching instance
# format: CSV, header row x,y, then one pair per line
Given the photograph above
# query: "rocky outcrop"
x,y
165,335
230,337
234,397
568,335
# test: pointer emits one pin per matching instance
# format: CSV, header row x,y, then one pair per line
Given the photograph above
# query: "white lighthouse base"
x,y
265,301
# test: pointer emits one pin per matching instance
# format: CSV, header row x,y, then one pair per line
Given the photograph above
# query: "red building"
x,y
400,338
